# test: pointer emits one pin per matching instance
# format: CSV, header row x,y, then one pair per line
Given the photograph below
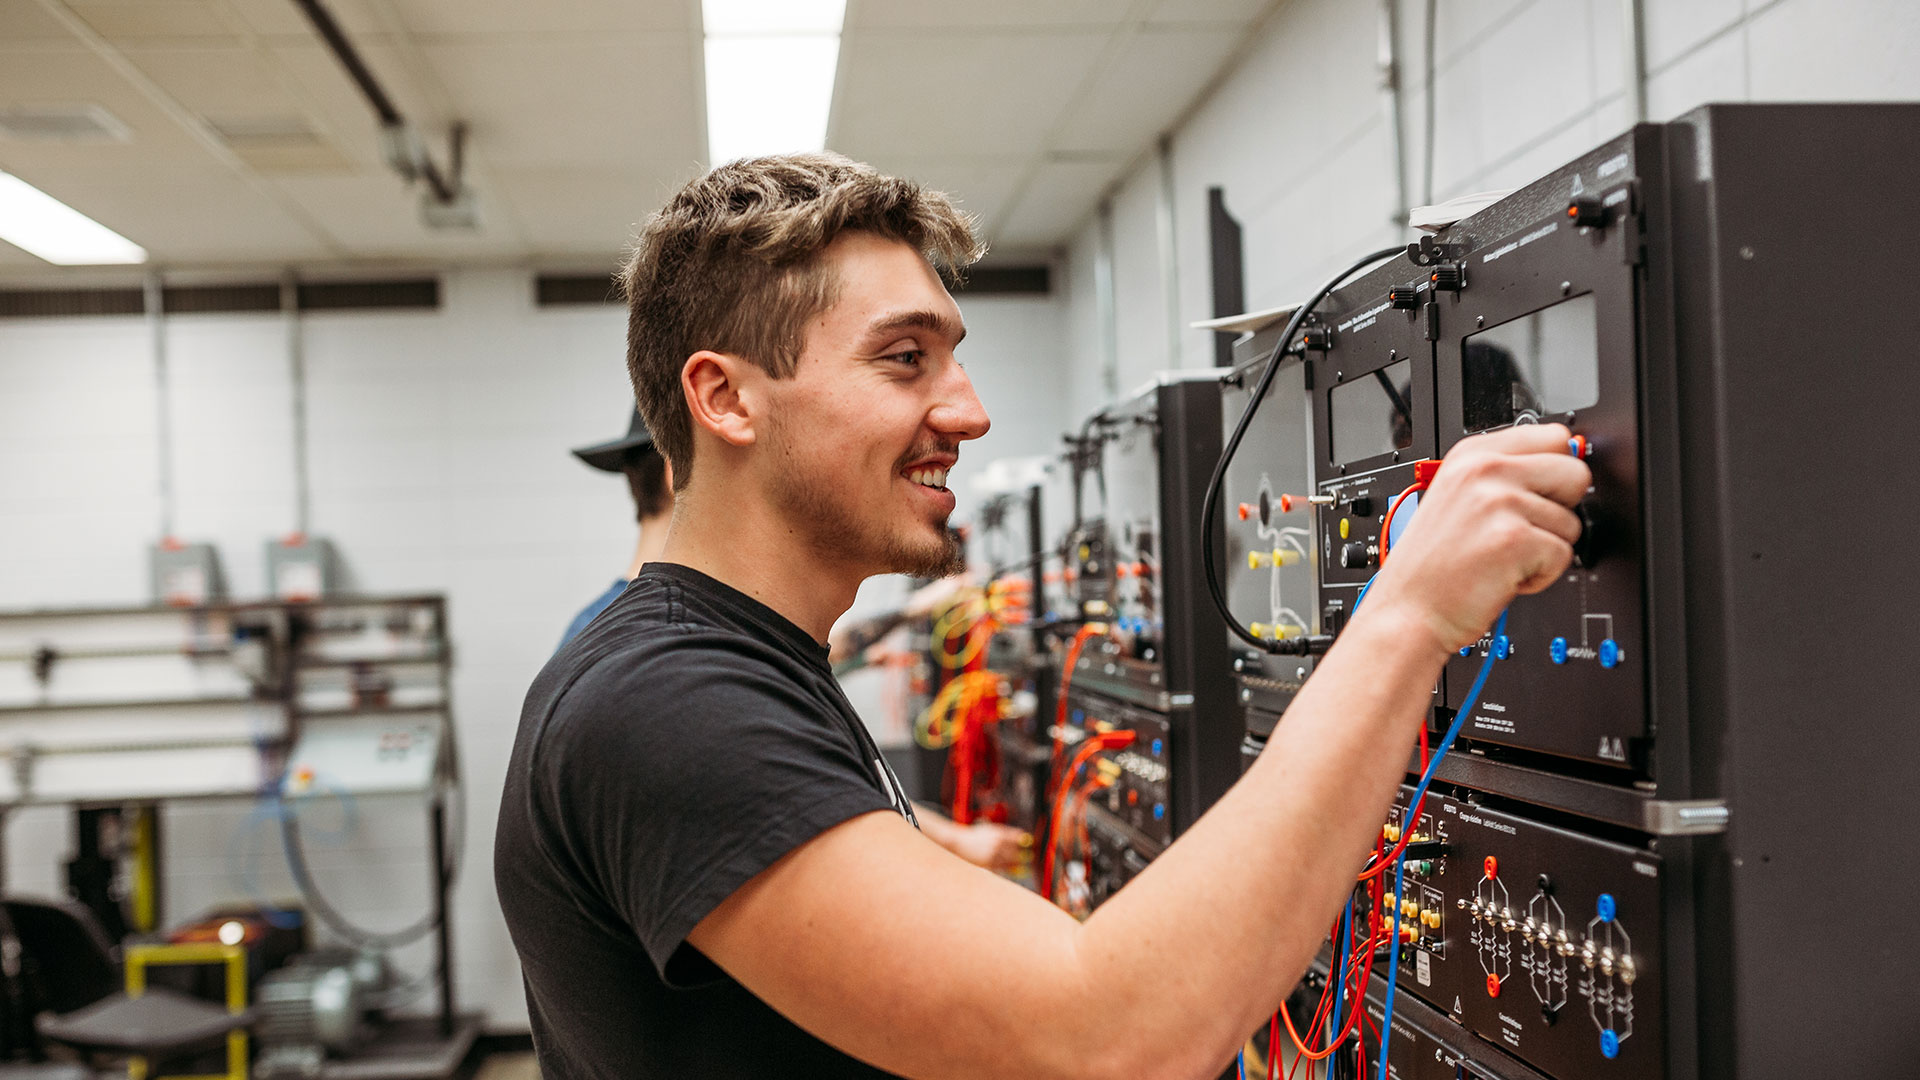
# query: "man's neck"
x,y
653,541
751,550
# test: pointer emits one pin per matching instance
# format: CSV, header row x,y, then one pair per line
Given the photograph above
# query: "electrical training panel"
x,y
1658,847
1158,665
1012,528
1272,564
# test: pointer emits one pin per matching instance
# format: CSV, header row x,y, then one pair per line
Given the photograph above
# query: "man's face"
x,y
861,438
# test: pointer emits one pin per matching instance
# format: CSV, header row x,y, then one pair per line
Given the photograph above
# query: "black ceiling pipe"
x,y
376,95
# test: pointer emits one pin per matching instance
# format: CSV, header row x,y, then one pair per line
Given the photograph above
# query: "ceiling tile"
x,y
24,21
981,187
378,216
547,18
82,77
1061,195
968,95
877,14
1121,110
624,101
592,213
229,81
184,211
12,258
284,19
126,20
1238,13
326,93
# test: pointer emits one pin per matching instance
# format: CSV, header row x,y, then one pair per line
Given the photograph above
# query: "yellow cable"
x,y
934,729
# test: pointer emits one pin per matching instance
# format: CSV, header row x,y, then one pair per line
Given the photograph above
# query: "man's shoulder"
x,y
639,662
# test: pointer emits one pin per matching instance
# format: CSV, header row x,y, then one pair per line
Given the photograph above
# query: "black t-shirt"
x,y
681,744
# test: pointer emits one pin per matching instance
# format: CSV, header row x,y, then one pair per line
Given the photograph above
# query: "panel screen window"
x,y
1532,367
1372,414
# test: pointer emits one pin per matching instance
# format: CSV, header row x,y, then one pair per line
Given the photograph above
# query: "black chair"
x,y
71,986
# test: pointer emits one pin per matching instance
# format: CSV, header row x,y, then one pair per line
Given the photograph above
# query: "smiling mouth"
x,y
932,476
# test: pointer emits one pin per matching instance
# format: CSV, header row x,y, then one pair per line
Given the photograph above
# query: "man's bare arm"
x,y
1168,976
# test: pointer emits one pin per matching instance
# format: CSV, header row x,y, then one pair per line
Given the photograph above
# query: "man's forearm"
x,y
1195,951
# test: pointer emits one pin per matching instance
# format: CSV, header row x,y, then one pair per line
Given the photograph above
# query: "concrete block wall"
x,y
1298,132
438,463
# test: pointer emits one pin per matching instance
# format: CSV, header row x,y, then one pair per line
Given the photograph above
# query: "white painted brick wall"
x,y
439,463
1297,137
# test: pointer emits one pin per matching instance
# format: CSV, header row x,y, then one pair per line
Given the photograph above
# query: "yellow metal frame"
x,y
233,956
145,869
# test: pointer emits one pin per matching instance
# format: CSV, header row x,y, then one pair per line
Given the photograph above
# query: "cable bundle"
x,y
1060,815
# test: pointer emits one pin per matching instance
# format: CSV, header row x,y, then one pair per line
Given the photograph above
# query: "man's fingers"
x,y
1551,471
1550,516
1522,439
1549,569
1560,477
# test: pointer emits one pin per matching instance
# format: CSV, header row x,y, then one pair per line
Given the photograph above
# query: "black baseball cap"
x,y
613,456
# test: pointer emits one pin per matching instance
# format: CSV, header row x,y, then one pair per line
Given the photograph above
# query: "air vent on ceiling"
x,y
555,290
282,130
70,123
1006,280
282,143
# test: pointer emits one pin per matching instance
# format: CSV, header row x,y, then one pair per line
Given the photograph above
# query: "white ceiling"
x,y
584,115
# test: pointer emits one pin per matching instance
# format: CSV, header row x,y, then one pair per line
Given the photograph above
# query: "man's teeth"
x,y
931,477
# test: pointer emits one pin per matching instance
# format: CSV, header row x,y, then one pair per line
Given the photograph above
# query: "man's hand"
x,y
996,847
1495,523
983,843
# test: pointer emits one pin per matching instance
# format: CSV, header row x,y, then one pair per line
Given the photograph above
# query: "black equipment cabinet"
x,y
1545,330
1708,718
1135,561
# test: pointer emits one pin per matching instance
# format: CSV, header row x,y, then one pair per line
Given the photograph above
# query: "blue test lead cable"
x,y
1338,974
1400,864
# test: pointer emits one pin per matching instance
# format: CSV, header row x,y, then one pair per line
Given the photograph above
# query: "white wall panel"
x,y
1296,133
439,456
79,480
1140,305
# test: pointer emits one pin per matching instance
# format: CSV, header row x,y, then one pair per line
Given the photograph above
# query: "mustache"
x,y
939,447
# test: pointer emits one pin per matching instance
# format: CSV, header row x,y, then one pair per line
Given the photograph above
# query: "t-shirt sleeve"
x,y
675,779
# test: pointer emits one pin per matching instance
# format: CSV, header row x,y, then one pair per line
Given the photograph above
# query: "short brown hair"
x,y
646,473
731,264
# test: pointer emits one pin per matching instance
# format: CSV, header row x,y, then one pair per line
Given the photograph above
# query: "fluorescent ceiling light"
x,y
770,67
36,222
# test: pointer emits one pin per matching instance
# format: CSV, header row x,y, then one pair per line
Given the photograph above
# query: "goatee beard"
x,y
946,562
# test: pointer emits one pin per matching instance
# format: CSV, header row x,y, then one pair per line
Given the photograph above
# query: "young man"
x,y
707,869
650,482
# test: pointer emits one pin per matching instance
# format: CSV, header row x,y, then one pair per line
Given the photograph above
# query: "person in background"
x,y
856,643
851,643
650,479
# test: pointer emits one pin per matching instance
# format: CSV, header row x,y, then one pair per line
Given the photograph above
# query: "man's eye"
x,y
910,356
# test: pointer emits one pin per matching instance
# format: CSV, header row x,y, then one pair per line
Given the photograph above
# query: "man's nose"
x,y
958,412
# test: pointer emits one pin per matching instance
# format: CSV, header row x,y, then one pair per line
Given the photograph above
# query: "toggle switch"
x,y
1587,211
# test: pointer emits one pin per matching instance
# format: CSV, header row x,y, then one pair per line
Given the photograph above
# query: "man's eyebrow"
x,y
919,319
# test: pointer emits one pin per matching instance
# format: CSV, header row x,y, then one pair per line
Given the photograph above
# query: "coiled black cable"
x,y
1210,508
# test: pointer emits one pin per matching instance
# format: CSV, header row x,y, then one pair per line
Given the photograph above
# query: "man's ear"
x,y
719,394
